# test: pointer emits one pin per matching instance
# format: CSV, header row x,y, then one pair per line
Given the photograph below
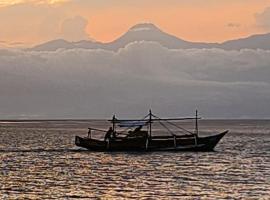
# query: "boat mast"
x,y
113,122
150,123
196,124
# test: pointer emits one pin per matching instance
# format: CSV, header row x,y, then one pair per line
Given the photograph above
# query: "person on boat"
x,y
137,129
108,134
135,132
89,133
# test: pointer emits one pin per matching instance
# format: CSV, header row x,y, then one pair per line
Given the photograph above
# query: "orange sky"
x,y
36,21
193,23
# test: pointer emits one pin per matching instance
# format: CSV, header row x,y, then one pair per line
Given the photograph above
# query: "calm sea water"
x,y
38,160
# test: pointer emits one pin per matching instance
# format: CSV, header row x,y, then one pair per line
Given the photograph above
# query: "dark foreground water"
x,y
38,160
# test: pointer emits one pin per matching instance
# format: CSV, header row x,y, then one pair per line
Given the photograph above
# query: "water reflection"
x,y
42,163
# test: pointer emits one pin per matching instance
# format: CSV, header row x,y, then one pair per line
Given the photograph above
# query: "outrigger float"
x,y
138,136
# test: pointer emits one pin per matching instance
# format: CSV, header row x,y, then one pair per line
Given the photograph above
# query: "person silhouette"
x,y
108,134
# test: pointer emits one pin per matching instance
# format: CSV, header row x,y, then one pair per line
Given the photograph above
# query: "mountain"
x,y
261,41
150,32
63,44
53,45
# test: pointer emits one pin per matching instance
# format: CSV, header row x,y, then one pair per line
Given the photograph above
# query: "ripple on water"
x,y
41,163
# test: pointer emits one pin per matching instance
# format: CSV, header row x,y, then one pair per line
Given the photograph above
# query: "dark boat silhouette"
x,y
143,140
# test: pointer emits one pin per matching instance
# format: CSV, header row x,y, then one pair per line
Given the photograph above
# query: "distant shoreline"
x,y
102,120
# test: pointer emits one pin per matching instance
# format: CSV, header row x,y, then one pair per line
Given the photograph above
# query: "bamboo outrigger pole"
x,y
153,120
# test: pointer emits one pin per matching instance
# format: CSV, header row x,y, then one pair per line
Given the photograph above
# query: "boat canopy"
x,y
131,124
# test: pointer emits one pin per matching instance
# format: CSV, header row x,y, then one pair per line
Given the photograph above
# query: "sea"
x,y
39,160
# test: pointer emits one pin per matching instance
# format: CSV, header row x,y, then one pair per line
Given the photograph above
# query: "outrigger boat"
x,y
142,139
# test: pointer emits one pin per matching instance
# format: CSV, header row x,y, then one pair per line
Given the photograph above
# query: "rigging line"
x,y
126,129
162,124
176,125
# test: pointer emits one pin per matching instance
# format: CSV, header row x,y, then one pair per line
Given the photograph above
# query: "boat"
x,y
139,136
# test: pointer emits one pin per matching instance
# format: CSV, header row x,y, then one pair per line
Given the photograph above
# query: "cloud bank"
x,y
263,19
81,83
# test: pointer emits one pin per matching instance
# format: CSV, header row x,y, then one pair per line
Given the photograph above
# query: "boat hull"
x,y
181,143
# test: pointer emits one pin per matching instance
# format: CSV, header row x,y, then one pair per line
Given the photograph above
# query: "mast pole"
x,y
150,123
113,121
196,129
196,124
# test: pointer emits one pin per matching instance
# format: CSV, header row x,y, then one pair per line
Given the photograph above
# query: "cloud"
x,y
263,19
233,25
33,23
81,83
73,29
14,2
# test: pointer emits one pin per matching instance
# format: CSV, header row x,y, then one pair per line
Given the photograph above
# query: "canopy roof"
x,y
130,124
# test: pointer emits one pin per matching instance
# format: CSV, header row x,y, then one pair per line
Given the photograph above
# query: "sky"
x,y
127,81
30,22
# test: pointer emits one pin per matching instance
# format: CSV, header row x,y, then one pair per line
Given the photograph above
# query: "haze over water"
x,y
40,161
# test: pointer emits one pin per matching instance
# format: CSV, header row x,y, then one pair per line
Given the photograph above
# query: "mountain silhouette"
x,y
150,32
260,41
